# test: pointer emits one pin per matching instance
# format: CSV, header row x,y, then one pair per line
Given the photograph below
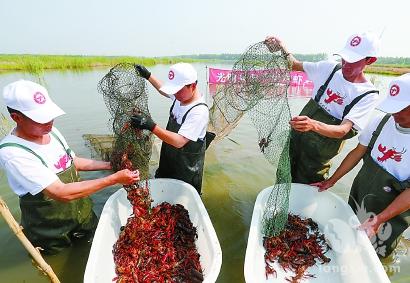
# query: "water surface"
x,y
234,174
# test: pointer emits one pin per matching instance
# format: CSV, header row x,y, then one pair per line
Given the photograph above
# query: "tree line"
x,y
403,61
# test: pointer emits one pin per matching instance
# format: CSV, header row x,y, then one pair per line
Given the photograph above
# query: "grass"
x,y
388,69
37,64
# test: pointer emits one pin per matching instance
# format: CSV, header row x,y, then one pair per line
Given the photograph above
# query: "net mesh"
x,y
257,86
125,94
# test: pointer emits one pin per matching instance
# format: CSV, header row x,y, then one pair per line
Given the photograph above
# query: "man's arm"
x,y
399,205
71,191
174,139
157,84
84,164
143,122
350,161
143,72
306,124
295,64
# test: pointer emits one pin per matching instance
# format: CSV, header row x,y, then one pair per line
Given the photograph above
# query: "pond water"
x,y
235,172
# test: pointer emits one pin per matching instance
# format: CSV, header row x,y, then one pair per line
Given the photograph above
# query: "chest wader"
x,y
186,163
52,224
374,189
310,152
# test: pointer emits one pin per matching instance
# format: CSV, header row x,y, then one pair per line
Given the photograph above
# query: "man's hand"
x,y
127,177
275,44
324,185
142,71
143,122
303,124
370,226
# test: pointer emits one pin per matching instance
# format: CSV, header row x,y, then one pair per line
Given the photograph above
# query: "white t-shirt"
x,y
391,149
340,93
25,172
196,122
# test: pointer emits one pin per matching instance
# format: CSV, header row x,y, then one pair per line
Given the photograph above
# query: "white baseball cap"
x,y
179,75
32,100
398,96
360,46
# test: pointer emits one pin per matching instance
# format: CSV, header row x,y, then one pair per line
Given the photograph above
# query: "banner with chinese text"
x,y
299,85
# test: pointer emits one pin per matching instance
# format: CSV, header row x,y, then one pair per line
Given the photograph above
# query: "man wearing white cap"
x,y
42,171
381,188
185,138
341,103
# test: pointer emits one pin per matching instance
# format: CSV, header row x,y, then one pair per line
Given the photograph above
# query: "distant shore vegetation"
x,y
384,65
37,64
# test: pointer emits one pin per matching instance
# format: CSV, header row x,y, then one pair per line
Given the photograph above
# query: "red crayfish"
x,y
296,248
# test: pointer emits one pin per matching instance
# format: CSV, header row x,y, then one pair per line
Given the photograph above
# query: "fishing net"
x,y
151,232
257,86
125,94
5,126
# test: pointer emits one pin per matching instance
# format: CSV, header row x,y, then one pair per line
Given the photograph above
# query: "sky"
x,y
182,27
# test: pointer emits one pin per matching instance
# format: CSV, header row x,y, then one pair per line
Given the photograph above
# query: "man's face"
x,y
31,127
353,69
186,93
403,117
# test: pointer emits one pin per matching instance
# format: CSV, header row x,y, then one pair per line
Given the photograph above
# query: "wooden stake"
x,y
18,231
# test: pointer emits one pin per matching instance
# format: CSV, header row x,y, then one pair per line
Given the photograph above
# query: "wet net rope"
x,y
125,94
258,86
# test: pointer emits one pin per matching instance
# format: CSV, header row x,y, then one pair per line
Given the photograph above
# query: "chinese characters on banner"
x,y
299,86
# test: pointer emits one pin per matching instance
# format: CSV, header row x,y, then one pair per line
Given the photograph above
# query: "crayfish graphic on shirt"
x,y
390,153
62,162
334,97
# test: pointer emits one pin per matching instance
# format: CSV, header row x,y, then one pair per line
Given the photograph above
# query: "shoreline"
x,y
38,64
390,70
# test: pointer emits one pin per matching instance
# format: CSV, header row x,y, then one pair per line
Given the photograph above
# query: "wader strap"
x,y
186,113
376,133
25,148
349,107
68,150
322,89
355,101
209,136
172,107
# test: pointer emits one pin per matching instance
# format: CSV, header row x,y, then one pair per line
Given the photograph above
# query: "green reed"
x,y
37,64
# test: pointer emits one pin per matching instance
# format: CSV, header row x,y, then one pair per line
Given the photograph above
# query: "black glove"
x,y
143,122
142,71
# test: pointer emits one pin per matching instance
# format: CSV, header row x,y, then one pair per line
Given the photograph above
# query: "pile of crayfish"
x,y
296,248
157,244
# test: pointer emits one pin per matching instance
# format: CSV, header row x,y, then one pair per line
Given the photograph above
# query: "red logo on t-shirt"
x,y
39,98
394,90
390,153
355,41
333,97
62,162
171,75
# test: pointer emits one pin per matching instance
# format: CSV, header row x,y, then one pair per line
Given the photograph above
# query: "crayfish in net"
x,y
296,248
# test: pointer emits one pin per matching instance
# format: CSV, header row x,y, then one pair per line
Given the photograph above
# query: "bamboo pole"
x,y
18,231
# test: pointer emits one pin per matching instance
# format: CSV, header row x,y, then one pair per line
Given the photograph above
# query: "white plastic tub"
x,y
353,258
100,266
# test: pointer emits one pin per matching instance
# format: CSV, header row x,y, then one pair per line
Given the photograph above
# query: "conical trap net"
x,y
257,86
125,93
